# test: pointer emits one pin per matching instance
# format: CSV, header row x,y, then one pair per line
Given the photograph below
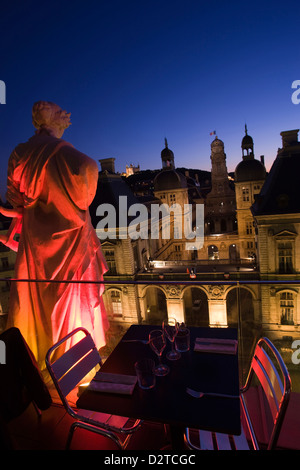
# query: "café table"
x,y
168,402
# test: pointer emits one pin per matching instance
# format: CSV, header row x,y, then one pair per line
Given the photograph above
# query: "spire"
x,y
247,145
167,157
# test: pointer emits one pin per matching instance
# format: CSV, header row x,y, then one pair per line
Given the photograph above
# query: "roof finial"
x,y
166,142
246,131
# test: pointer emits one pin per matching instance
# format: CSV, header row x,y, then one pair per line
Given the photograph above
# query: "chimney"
x,y
108,164
289,137
262,159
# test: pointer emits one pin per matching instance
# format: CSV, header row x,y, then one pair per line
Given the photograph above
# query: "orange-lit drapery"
x,y
55,185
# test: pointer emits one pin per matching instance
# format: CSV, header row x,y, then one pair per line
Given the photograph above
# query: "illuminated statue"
x,y
50,186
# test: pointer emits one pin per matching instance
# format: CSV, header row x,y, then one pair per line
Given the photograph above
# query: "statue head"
x,y
49,117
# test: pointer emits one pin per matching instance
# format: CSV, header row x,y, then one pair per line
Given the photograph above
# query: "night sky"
x,y
134,72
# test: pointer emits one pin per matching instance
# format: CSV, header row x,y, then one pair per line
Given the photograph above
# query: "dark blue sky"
x,y
134,72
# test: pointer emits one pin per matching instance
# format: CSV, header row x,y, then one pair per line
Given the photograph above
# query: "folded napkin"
x,y
113,383
215,345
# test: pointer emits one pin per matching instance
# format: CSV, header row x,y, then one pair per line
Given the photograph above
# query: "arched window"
x,y
155,304
223,226
233,253
196,307
115,303
210,224
240,307
213,252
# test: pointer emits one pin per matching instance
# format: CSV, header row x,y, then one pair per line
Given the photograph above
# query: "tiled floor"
x,y
49,432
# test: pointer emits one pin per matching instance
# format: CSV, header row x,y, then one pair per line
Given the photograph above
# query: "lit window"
x,y
249,227
213,252
110,260
246,194
285,257
286,308
116,303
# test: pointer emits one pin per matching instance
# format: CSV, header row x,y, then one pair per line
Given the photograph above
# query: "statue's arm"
x,y
11,212
8,238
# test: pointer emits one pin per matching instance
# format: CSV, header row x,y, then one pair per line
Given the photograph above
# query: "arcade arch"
x,y
155,305
195,307
240,306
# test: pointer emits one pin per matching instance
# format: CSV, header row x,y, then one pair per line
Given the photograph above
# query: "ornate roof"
x,y
250,170
217,143
168,180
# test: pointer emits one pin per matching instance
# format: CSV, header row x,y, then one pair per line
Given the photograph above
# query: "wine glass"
x,y
170,328
157,342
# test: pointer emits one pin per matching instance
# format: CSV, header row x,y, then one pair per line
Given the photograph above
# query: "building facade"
x,y
276,213
250,175
251,234
145,266
7,262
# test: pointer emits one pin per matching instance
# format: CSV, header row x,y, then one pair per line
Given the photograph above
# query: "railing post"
x,y
240,333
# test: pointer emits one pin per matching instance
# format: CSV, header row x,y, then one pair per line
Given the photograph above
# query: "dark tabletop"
x,y
168,402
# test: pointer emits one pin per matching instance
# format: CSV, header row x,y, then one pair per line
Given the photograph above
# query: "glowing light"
x,y
217,313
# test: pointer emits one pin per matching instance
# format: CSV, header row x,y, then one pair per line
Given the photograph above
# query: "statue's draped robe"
x,y
55,184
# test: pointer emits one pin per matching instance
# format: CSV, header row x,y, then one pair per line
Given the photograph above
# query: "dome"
x,y
167,157
166,153
168,180
247,141
250,170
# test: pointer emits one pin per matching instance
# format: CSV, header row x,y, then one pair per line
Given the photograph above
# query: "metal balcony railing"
x,y
255,307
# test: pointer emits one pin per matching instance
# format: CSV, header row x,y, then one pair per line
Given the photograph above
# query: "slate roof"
x,y
280,193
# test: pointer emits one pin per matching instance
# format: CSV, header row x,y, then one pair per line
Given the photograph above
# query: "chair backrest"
x,y
273,377
74,364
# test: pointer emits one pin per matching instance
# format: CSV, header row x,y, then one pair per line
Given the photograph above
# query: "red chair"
x,y
67,371
264,400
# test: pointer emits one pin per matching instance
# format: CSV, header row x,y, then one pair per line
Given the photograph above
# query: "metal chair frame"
x,y
277,393
67,371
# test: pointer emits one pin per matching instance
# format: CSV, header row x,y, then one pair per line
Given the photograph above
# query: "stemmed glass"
x,y
170,328
157,342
